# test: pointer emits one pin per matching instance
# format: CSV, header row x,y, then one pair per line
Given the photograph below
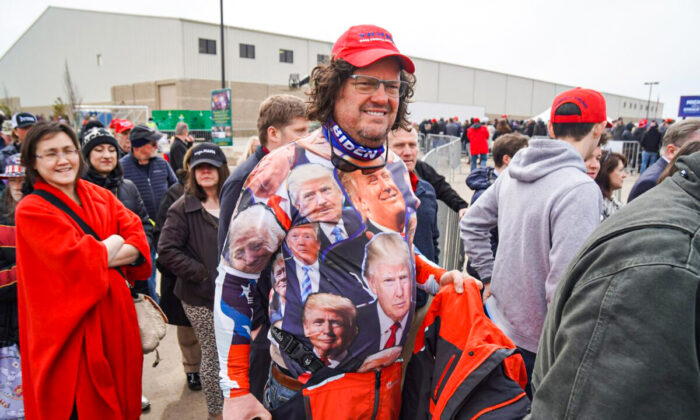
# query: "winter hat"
x,y
96,136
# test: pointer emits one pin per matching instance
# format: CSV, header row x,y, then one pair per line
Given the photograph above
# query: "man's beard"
x,y
368,140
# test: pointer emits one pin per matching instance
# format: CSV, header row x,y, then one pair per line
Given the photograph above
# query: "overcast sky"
x,y
610,45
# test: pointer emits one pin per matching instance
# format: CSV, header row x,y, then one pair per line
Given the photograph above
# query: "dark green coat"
x,y
622,336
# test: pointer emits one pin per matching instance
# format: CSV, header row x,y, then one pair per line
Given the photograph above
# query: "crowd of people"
x,y
305,283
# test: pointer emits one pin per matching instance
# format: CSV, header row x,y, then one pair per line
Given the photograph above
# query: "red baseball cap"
x,y
476,120
363,45
590,102
121,126
643,122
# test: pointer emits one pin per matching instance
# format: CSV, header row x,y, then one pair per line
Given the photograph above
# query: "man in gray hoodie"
x,y
545,206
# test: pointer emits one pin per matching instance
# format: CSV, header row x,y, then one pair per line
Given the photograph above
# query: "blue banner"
x,y
690,106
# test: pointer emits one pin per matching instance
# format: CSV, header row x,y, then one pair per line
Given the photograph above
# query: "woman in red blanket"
x,y
81,350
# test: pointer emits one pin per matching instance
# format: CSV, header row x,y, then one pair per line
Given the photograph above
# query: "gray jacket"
x,y
622,335
545,206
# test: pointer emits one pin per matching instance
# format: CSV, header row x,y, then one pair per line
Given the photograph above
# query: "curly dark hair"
x,y
326,81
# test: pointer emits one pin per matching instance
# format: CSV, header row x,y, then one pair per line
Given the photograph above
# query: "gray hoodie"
x,y
545,207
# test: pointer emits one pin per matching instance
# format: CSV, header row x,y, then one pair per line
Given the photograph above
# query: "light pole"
x,y
651,84
223,69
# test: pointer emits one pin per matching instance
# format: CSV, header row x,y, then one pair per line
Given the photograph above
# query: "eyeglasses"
x,y
54,155
369,85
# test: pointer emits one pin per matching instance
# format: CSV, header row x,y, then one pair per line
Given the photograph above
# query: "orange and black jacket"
x,y
463,366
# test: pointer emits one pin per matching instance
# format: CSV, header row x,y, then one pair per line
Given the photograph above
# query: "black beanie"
x,y
96,136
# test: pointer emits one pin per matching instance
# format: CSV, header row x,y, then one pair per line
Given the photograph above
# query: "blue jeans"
x,y
648,159
483,161
275,395
152,279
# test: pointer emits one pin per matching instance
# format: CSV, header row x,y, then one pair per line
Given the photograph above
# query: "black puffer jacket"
x,y
127,193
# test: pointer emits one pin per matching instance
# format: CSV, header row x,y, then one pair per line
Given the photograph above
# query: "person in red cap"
x,y
122,129
358,98
545,206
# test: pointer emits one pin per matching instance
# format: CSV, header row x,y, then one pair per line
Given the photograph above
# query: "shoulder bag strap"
x,y
84,226
63,206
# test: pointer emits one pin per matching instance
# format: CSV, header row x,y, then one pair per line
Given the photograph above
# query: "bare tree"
x,y
6,104
74,99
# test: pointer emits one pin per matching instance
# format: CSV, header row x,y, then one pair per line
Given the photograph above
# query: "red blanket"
x,y
79,336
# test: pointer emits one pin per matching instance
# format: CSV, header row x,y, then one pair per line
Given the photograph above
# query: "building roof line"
x,y
181,19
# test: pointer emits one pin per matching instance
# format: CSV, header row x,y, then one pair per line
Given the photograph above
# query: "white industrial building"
x,y
171,63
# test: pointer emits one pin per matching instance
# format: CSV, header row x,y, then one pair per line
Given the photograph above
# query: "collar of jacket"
x,y
136,161
688,175
184,143
192,204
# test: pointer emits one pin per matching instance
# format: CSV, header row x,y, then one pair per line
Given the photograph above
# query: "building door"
x,y
167,96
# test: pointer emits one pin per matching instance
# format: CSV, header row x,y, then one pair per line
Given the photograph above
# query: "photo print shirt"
x,y
343,270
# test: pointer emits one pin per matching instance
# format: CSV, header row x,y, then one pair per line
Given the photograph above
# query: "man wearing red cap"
x,y
544,206
122,129
358,98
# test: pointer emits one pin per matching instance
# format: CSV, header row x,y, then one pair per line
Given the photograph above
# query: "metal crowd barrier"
x,y
445,158
628,148
199,135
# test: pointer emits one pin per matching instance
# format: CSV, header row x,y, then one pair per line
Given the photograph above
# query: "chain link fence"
x,y
445,158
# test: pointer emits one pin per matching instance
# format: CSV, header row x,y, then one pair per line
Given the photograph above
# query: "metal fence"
x,y
630,149
106,113
445,159
199,135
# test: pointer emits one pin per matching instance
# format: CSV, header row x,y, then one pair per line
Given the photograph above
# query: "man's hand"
x,y
459,279
245,407
461,212
487,291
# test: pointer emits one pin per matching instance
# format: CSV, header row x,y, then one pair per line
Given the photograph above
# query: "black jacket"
x,y
177,153
188,249
651,140
638,133
169,303
443,190
127,193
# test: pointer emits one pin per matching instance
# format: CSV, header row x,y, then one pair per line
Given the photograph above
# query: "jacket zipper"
x,y
377,385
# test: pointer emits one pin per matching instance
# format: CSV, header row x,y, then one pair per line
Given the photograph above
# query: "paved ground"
x,y
165,384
